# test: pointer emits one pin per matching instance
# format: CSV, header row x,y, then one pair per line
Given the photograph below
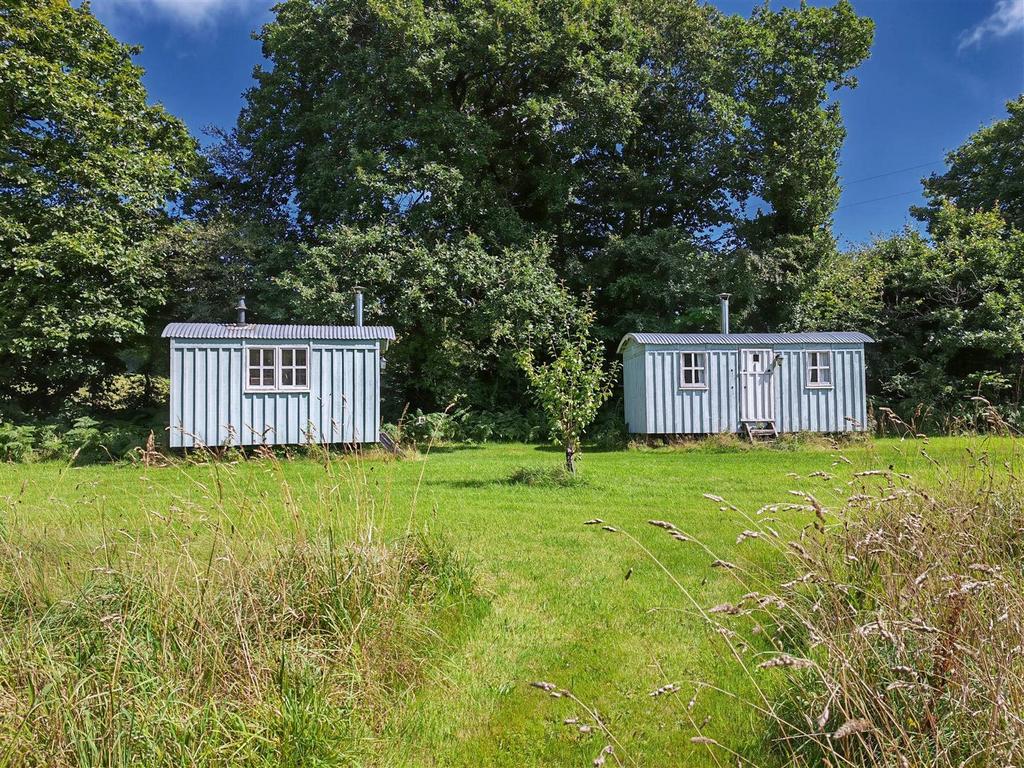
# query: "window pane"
x,y
254,357
268,357
813,376
300,377
826,376
300,357
268,377
698,360
254,377
286,357
286,377
687,376
698,376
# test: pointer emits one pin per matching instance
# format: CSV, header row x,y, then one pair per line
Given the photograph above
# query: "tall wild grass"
x,y
884,630
237,626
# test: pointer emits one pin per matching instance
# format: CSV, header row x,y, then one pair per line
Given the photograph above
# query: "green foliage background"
x,y
480,167
87,170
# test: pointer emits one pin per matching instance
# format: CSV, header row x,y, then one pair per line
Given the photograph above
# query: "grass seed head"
x,y
851,727
727,608
662,524
703,740
665,689
787,661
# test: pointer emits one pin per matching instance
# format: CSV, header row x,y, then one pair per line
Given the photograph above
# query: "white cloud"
x,y
191,12
1006,18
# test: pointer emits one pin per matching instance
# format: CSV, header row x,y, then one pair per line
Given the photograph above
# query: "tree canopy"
x,y
661,153
948,315
87,167
986,173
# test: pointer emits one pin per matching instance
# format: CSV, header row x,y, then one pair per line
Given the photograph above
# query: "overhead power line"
x,y
893,173
876,199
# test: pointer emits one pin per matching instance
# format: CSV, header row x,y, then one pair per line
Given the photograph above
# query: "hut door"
x,y
757,385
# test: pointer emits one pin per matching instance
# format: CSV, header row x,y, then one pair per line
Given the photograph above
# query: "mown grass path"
x,y
557,604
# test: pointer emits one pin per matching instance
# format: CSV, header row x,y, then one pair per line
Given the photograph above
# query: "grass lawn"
x,y
560,601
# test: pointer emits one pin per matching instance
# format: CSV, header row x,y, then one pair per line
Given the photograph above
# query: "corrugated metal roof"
x,y
263,331
815,337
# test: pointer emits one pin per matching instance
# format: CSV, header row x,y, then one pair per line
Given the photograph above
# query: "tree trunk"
x,y
570,457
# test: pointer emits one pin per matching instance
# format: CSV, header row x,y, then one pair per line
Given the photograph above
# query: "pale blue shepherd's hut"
x,y
254,384
755,384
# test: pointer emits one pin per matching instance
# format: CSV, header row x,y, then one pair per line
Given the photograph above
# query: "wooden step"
x,y
763,430
387,442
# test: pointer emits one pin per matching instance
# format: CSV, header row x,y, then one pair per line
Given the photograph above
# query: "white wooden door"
x,y
757,385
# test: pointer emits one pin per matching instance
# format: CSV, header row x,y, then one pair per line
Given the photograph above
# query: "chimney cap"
x,y
724,295
240,308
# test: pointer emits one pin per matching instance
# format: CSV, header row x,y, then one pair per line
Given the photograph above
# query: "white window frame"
x,y
280,367
277,351
698,362
829,366
261,387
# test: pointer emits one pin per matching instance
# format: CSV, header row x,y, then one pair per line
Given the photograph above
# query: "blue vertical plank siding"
x,y
210,404
633,384
656,403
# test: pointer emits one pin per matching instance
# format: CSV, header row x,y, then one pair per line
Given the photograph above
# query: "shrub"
x,y
127,393
83,439
545,476
16,441
463,425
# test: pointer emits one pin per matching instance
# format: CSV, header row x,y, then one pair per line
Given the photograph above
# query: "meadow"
x,y
591,610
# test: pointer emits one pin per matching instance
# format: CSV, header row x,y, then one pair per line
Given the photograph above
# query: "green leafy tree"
x,y
204,266
789,64
986,173
87,168
572,383
665,281
596,125
458,308
948,314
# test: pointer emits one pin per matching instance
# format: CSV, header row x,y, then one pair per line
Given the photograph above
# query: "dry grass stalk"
x,y
189,641
897,641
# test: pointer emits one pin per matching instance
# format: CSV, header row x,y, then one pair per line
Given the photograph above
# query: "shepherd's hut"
x,y
755,384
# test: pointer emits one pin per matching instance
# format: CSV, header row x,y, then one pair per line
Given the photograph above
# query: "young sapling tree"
x,y
572,384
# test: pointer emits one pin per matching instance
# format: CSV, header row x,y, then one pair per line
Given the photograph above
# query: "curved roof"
x,y
263,331
814,337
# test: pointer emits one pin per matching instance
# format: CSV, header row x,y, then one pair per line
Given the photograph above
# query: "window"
x,y
261,368
276,369
691,370
294,368
819,369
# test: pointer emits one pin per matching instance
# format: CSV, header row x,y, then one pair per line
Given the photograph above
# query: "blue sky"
x,y
938,70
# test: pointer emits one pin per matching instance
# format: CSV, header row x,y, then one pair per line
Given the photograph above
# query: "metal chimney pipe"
x,y
359,304
241,310
723,299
